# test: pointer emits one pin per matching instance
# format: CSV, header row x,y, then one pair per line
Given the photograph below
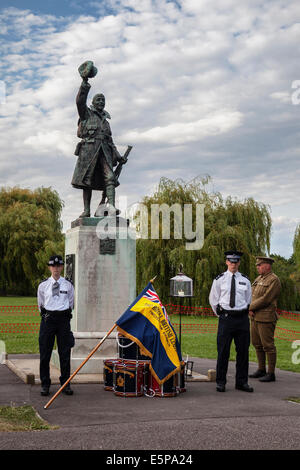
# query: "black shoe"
x,y
45,391
220,388
67,390
257,374
244,388
268,378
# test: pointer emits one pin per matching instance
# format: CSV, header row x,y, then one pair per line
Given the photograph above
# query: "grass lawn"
x,y
19,343
294,399
193,344
21,418
18,300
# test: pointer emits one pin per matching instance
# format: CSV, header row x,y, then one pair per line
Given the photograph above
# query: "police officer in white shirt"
x,y
55,302
230,297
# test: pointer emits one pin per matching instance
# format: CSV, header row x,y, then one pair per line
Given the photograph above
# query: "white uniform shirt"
x,y
220,292
60,302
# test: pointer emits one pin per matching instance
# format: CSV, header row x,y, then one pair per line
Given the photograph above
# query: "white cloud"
x,y
183,133
41,142
283,222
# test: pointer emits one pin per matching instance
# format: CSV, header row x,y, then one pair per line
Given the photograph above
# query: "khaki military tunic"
x,y
265,292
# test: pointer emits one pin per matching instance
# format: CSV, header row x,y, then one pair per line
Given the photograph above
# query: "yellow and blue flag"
x,y
146,323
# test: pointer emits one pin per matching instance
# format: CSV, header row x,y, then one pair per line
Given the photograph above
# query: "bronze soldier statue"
x,y
97,153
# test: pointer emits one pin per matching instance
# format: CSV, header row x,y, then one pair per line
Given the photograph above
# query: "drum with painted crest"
x,y
108,373
130,378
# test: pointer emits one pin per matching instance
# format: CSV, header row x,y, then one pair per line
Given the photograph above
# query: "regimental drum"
x,y
181,379
167,389
130,378
129,349
108,373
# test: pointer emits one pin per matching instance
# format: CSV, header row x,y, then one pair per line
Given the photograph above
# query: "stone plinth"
x,y
103,271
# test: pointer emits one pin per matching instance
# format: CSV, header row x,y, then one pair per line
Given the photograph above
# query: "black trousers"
x,y
233,328
55,325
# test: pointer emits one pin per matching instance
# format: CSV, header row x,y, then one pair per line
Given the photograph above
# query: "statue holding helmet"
x,y
96,152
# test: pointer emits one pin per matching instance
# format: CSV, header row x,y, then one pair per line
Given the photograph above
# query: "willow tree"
x,y
29,224
228,224
295,261
296,247
285,269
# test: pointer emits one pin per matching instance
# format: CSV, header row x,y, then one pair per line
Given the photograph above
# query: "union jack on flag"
x,y
152,295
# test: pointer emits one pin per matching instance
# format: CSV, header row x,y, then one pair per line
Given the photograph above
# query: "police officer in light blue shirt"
x,y
230,297
55,301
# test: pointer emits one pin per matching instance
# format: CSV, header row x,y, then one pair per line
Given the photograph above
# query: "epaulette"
x,y
69,280
220,275
43,280
244,275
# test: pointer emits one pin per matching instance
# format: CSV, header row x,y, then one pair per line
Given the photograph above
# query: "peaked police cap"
x,y
55,260
233,256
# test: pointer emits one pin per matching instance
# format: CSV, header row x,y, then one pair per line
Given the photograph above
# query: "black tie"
x,y
55,288
232,292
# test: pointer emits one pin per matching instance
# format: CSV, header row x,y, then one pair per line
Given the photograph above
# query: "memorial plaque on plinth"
x,y
104,277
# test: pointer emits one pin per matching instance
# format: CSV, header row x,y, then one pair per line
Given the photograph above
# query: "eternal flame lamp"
x,y
181,286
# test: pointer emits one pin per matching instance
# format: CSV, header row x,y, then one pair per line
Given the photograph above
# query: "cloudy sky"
x,y
198,87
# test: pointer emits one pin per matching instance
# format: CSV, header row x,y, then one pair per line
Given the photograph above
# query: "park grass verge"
x,y
19,343
18,300
22,418
294,399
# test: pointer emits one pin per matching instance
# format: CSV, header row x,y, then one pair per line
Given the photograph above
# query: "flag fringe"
x,y
158,380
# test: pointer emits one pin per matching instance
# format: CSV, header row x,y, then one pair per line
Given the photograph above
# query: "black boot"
x,y
45,391
67,390
257,374
268,378
244,388
220,388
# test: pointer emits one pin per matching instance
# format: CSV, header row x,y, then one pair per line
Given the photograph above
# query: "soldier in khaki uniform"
x,y
263,315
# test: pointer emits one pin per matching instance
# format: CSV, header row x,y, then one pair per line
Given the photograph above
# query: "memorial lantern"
x,y
181,286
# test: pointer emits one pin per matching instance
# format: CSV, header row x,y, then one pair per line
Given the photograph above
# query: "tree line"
x,y
31,230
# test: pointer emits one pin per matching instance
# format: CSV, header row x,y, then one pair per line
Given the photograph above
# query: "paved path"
x,y
199,419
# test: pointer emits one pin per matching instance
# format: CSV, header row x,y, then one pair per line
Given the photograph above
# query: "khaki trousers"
x,y
262,338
